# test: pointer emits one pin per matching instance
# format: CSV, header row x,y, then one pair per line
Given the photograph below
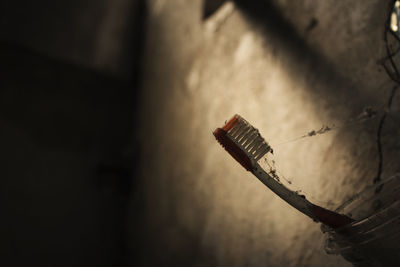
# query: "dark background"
x,y
69,80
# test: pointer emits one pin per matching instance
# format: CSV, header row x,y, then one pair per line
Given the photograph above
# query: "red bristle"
x,y
233,149
231,123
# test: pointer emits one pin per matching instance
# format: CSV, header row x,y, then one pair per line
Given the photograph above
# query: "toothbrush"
x,y
245,144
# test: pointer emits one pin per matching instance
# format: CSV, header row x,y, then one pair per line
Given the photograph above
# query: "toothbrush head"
x,y
242,141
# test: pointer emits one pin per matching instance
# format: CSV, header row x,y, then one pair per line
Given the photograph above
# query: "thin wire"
x,y
367,115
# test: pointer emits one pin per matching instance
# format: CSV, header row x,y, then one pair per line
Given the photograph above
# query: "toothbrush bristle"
x,y
247,138
233,149
242,141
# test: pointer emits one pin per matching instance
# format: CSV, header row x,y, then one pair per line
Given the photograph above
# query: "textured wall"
x,y
287,67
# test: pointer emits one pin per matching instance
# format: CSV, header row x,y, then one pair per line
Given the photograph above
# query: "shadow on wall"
x,y
101,35
68,102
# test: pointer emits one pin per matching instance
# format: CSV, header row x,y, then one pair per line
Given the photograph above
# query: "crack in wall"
x,y
379,135
393,72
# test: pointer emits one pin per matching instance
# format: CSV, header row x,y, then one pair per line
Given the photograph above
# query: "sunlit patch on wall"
x,y
394,19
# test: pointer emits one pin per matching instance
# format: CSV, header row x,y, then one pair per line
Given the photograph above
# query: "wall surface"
x,y
286,66
73,133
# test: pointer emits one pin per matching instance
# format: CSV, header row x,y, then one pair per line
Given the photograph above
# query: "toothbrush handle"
x,y
299,202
